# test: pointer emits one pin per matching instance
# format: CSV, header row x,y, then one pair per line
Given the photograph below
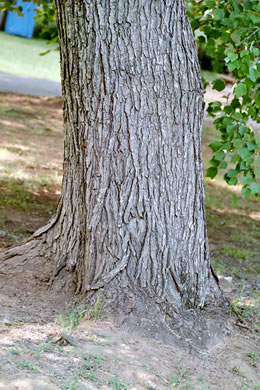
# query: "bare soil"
x,y
48,343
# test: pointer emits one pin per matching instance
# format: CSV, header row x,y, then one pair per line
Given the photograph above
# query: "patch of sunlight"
x,y
251,302
17,146
10,123
253,215
218,182
7,155
21,175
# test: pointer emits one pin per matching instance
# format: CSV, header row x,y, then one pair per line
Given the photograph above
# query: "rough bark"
x,y
131,220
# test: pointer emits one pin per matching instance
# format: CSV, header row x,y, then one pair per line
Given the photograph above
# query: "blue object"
x,y
21,25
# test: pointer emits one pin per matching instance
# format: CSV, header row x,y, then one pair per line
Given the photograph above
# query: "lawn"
x,y
21,56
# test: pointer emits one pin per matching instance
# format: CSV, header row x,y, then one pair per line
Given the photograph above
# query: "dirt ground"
x,y
47,344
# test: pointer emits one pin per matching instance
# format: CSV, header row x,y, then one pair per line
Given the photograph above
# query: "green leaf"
x,y
243,153
249,160
255,188
220,155
235,37
245,180
232,56
257,99
243,130
237,143
246,192
251,146
219,14
223,165
231,172
230,128
233,181
235,158
244,53
234,200
215,163
228,109
211,172
237,116
255,19
214,146
219,84
253,74
233,65
241,90
210,3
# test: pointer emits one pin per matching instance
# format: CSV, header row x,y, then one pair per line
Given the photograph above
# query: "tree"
x,y
130,225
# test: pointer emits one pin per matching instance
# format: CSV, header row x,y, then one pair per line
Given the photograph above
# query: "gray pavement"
x,y
28,85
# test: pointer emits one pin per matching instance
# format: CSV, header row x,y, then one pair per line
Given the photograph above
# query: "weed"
x,y
26,364
88,374
253,358
219,268
98,309
247,310
43,348
14,351
236,370
11,111
95,341
180,380
71,386
92,361
70,320
115,384
102,336
180,359
94,312
90,365
236,252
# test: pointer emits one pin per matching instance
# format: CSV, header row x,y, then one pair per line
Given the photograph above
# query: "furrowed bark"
x,y
133,187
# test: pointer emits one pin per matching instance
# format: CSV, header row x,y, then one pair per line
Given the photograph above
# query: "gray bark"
x,y
131,219
133,196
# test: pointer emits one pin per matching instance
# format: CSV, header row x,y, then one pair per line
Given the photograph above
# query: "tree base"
x,y
25,270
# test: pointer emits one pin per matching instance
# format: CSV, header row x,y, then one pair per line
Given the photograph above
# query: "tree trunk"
x,y
130,224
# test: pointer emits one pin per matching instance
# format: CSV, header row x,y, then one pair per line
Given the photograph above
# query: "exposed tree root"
x,y
26,267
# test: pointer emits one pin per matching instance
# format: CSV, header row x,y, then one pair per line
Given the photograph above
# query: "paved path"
x,y
28,85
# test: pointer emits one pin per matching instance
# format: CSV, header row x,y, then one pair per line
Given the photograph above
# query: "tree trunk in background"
x,y
131,220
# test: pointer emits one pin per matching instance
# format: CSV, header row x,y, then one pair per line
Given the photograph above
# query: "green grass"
x,y
21,56
115,384
15,193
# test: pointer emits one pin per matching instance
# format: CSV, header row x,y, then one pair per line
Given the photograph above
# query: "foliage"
x,y
229,32
45,17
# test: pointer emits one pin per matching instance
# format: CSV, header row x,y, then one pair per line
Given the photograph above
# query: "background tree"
x,y
130,225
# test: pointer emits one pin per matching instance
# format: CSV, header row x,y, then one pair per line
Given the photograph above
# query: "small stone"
x,y
225,283
7,321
